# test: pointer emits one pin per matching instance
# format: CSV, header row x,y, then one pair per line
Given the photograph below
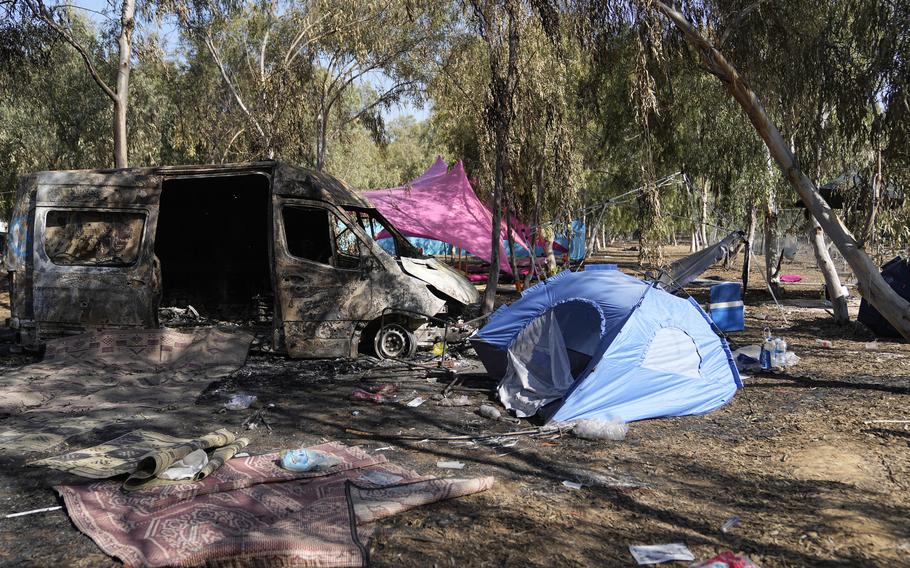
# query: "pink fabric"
x,y
441,205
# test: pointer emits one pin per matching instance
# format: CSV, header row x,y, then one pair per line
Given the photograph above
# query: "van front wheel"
x,y
394,342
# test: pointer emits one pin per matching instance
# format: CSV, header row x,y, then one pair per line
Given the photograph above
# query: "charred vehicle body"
x,y
267,243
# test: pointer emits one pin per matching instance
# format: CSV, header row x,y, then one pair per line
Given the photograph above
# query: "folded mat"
x,y
251,512
144,454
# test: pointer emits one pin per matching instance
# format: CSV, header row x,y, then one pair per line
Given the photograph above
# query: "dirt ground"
x,y
794,455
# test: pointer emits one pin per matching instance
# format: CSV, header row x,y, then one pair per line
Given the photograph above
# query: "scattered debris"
x,y
462,400
32,512
304,459
726,560
449,465
489,411
240,401
594,429
657,553
730,523
186,467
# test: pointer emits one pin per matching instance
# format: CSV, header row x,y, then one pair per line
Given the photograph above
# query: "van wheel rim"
x,y
392,342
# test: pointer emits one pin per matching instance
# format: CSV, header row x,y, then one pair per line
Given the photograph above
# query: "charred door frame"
x,y
324,335
88,284
268,175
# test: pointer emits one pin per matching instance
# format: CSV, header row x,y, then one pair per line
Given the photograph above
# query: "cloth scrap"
x,y
251,511
657,553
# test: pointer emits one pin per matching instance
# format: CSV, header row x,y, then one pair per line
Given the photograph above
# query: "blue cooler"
x,y
727,306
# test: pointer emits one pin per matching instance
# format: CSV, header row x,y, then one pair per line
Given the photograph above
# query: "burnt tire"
x,y
393,341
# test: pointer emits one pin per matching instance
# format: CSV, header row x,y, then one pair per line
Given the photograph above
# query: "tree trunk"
x,y
747,250
125,44
772,246
510,238
489,295
836,292
870,282
703,216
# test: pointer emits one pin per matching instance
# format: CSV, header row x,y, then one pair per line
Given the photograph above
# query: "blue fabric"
x,y
619,387
624,378
577,246
429,246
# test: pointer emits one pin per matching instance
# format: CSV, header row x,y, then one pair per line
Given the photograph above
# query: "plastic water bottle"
x,y
767,347
779,356
307,460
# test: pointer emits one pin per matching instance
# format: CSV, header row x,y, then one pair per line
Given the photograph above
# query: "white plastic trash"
x,y
187,468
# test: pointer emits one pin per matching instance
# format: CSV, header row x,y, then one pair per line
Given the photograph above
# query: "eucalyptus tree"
x,y
59,18
286,64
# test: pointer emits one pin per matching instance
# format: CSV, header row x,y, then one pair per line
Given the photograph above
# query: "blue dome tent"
x,y
603,344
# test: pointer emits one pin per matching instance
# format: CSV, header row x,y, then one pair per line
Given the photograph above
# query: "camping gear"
x,y
605,345
688,268
896,273
253,512
726,307
442,205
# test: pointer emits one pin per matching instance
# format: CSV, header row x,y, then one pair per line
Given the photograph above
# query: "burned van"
x,y
287,249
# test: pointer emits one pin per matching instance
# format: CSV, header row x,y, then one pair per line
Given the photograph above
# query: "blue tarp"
x,y
622,347
429,246
577,245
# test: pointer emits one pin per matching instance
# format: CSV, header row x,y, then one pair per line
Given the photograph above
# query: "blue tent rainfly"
x,y
602,344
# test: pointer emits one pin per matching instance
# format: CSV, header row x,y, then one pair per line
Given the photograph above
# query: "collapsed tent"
x,y
603,344
896,273
441,205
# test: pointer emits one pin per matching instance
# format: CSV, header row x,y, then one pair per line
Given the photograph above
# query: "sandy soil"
x,y
793,455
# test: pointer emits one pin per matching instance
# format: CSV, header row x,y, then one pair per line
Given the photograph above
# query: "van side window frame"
x,y
142,212
332,218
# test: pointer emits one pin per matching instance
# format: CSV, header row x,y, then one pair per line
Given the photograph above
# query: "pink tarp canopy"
x,y
442,205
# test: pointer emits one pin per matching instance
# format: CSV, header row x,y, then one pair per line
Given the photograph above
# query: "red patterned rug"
x,y
253,513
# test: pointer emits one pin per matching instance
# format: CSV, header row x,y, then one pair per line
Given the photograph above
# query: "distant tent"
x,y
897,274
441,205
603,344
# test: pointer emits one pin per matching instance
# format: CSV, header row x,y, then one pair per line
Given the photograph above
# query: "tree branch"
x,y
230,84
40,11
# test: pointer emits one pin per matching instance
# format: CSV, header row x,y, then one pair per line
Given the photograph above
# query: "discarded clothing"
x,y
94,379
253,511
